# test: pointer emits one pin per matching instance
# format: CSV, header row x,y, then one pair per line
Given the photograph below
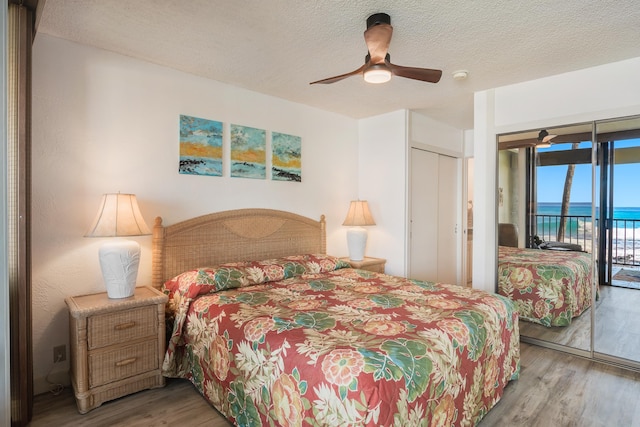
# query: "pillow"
x,y
247,273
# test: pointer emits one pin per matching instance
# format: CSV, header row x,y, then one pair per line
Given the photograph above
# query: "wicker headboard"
x,y
237,235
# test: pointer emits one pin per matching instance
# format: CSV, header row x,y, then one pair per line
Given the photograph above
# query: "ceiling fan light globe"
x,y
377,75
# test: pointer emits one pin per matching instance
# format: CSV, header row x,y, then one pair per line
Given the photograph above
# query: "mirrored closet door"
x,y
545,232
617,315
569,236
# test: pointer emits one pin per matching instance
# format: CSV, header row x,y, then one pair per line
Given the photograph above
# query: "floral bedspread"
x,y
304,341
549,287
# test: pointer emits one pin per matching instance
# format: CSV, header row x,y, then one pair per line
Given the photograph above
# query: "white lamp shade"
x,y
359,214
119,215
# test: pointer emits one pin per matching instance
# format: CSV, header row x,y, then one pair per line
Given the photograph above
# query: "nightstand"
x,y
371,264
117,345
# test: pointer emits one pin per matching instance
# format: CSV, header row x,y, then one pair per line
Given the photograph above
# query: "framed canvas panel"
x,y
200,146
248,147
286,160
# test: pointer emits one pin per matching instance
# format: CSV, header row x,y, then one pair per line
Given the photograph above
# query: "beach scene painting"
x,y
286,157
248,158
200,146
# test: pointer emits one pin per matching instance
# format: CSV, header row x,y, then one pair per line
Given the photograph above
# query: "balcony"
x,y
625,246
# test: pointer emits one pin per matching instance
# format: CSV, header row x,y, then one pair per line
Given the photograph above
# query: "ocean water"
x,y
584,209
625,228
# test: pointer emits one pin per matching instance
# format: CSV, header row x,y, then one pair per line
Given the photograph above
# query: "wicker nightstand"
x,y
117,345
371,264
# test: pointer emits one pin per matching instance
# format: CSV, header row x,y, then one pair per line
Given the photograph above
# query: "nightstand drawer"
x,y
123,362
122,326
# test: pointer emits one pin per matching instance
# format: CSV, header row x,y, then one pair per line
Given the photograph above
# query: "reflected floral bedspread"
x,y
304,341
549,287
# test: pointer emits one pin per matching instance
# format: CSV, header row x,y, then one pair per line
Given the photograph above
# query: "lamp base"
x,y
119,261
356,241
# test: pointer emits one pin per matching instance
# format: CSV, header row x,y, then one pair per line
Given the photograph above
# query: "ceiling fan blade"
x,y
378,38
523,143
423,74
340,77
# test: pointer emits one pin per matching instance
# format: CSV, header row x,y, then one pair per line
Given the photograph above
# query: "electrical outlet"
x,y
59,353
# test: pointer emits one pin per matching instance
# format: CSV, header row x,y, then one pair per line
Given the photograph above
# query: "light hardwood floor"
x,y
555,389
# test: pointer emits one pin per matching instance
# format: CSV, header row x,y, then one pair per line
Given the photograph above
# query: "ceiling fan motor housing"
x,y
378,18
367,57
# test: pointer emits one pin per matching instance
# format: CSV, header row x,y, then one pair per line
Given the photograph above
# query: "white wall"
x,y
382,182
443,138
106,123
607,91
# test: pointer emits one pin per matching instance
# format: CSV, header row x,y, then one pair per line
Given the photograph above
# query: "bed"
x,y
273,331
549,287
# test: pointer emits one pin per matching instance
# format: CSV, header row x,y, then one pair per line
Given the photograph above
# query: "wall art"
x,y
286,157
200,146
248,158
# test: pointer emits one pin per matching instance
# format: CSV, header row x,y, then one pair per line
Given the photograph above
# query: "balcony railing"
x,y
577,229
625,245
626,241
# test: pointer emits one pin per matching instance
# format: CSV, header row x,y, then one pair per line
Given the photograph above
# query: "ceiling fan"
x,y
542,141
377,67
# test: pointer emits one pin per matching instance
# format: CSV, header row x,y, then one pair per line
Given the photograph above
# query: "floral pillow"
x,y
247,273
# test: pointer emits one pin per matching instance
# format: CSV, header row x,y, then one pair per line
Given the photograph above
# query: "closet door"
x,y
447,219
433,216
424,215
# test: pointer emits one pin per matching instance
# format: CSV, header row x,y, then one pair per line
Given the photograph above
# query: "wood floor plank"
x,y
178,403
555,389
561,390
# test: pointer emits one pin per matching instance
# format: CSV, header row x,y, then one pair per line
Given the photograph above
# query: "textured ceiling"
x,y
277,47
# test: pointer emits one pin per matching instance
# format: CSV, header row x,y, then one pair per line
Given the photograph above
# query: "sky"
x,y
626,180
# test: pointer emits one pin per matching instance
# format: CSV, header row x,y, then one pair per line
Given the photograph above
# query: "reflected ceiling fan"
x,y
377,67
542,141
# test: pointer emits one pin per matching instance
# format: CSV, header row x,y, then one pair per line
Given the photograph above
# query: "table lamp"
x,y
357,217
119,216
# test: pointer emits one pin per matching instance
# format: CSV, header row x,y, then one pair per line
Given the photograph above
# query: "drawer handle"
x,y
126,362
123,326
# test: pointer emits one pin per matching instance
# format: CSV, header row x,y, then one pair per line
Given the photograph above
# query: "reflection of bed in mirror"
x,y
549,287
